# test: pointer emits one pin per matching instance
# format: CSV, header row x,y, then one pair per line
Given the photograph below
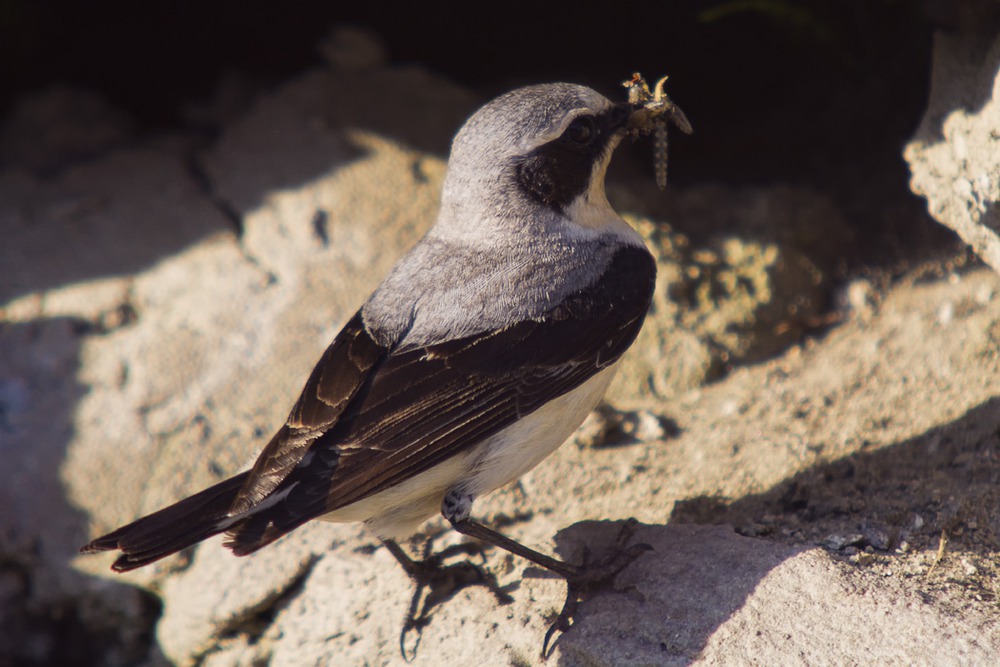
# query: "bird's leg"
x,y
441,582
579,578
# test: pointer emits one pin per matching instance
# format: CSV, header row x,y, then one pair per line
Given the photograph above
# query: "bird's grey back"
x,y
442,291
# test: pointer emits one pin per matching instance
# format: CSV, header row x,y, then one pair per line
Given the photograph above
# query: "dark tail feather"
x,y
171,529
258,530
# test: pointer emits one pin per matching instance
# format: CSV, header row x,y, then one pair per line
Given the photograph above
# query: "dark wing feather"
x,y
333,384
341,373
421,406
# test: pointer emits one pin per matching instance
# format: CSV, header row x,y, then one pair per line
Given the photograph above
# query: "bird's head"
x,y
534,150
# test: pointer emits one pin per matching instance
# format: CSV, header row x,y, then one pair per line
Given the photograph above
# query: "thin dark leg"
x,y
499,540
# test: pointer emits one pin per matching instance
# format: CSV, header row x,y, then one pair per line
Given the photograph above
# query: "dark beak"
x,y
620,116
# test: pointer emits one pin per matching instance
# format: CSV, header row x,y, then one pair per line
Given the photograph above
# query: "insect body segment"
x,y
658,108
660,152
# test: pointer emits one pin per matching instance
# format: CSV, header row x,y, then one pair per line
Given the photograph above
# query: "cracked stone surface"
x,y
167,300
955,156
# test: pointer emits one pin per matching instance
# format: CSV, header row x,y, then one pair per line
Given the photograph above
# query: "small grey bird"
x,y
480,353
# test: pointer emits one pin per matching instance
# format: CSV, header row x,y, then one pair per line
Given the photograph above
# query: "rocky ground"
x,y
814,457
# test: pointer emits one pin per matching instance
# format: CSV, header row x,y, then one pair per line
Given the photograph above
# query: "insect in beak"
x,y
653,110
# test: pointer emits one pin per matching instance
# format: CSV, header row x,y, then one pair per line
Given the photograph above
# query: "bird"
x,y
479,354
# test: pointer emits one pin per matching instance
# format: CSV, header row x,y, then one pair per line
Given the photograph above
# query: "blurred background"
x,y
804,92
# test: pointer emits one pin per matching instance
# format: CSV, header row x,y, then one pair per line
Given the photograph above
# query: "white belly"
x,y
517,449
499,460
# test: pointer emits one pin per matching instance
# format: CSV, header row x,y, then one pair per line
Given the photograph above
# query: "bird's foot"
x,y
588,576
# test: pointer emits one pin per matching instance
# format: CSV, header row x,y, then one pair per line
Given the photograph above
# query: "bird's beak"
x,y
621,117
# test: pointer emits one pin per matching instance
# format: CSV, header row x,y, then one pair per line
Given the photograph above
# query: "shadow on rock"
x,y
705,588
120,212
669,601
297,134
49,613
891,500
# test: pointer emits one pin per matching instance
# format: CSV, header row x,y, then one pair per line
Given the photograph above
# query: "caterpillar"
x,y
658,108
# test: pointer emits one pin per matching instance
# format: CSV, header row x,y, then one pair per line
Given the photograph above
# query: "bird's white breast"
x,y
506,456
397,512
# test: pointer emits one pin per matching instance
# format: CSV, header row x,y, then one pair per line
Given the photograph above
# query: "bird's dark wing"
x,y
417,407
343,370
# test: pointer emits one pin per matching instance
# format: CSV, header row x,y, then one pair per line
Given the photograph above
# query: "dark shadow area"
x,y
51,614
122,214
815,95
667,604
807,93
303,131
947,479
145,201
735,68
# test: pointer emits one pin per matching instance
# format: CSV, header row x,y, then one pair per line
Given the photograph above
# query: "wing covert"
x,y
336,379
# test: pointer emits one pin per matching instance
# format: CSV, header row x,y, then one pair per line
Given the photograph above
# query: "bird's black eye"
x,y
581,131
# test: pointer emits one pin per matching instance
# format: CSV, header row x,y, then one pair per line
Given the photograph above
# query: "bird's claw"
x,y
589,576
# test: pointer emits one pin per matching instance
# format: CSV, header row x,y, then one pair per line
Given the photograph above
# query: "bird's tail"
x,y
173,528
